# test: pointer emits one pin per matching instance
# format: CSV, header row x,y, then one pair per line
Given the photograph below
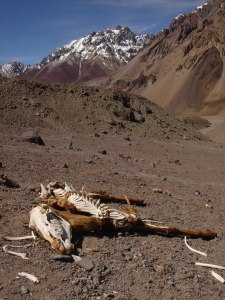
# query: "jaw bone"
x,y
51,227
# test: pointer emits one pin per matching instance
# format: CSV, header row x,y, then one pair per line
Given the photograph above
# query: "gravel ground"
x,y
189,176
125,145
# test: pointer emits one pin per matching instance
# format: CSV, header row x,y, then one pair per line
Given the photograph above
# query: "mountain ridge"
x,y
97,54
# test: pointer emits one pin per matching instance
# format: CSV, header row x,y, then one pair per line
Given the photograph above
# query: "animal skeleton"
x,y
66,210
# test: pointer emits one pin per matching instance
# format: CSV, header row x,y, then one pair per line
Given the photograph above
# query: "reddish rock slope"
x,y
183,69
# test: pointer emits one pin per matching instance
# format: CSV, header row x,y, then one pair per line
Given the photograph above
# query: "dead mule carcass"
x,y
67,210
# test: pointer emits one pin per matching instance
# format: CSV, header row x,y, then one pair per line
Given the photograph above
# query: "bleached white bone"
x,y
86,204
19,238
192,249
51,227
67,188
218,277
210,266
22,255
59,193
29,276
43,193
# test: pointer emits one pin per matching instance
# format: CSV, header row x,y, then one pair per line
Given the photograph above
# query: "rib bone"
x,y
86,204
29,276
20,238
22,255
43,193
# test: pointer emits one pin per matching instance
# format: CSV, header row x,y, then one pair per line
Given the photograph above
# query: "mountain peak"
x,y
118,27
121,43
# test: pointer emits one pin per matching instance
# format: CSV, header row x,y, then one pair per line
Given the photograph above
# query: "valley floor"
x,y
182,183
216,131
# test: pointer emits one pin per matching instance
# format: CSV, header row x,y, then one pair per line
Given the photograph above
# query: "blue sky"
x,y
30,30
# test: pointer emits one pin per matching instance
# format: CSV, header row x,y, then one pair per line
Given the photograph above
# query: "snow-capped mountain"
x,y
14,69
120,43
95,55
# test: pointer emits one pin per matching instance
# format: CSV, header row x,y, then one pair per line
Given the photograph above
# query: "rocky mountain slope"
x,y
80,109
183,69
95,55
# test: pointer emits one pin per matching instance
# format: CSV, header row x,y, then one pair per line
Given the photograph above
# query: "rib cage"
x,y
86,204
83,202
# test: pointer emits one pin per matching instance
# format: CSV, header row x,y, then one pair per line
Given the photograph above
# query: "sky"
x,y
30,30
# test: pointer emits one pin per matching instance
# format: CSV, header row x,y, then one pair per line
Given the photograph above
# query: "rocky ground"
x,y
84,110
181,181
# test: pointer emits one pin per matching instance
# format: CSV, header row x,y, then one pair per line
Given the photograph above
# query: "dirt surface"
x,y
197,122
216,129
126,265
159,158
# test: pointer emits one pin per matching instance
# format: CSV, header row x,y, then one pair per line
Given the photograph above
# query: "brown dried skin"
x,y
61,204
81,223
104,196
170,230
87,224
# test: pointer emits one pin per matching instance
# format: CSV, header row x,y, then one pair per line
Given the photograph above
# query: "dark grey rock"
x,y
88,161
32,137
104,152
4,180
63,258
85,263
